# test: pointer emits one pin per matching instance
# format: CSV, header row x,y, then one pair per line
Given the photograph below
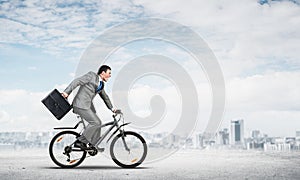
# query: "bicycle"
x,y
127,149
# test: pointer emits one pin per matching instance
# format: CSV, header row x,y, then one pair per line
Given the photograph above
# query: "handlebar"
x,y
118,111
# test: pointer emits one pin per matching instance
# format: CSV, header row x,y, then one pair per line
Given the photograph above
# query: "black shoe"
x,y
80,144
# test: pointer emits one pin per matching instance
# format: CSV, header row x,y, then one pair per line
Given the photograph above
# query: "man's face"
x,y
106,75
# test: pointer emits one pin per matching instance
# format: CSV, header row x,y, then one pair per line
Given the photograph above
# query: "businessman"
x,y
90,84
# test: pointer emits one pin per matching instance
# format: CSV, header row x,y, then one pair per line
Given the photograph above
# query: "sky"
x,y
256,44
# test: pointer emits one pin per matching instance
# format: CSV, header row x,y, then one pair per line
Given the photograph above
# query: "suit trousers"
x,y
93,129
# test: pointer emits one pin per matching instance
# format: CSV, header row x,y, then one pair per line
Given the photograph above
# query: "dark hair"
x,y
103,68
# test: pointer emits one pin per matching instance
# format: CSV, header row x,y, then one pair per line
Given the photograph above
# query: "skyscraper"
x,y
237,132
255,134
222,137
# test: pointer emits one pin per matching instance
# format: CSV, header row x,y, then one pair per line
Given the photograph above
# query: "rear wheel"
x,y
134,155
62,151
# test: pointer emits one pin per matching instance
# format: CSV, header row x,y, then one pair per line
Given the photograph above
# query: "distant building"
x,y
297,133
222,137
237,132
255,134
282,144
198,140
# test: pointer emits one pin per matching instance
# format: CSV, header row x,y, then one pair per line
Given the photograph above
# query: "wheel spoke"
x,y
134,143
61,152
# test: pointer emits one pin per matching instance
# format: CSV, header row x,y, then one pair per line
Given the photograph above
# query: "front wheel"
x,y
128,149
62,151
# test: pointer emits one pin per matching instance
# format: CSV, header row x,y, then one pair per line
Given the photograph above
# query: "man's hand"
x,y
117,111
65,95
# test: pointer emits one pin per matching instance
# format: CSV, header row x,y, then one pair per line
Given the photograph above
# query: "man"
x,y
90,84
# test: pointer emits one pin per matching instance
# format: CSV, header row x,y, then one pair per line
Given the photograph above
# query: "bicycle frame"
x,y
112,124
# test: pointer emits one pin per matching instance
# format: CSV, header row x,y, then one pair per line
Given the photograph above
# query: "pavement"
x,y
184,164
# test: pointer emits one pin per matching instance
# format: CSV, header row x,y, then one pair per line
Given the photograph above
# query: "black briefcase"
x,y
57,104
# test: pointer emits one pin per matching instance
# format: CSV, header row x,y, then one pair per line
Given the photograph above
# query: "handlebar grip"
x,y
118,111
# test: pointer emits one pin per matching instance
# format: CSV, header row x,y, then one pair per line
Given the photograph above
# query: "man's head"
x,y
104,72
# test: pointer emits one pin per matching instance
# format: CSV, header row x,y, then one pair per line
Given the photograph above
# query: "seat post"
x,y
81,120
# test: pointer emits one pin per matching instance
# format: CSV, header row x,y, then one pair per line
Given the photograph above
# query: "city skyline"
x,y
247,134
224,137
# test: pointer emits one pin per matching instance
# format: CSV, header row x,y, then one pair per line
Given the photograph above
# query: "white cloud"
x,y
4,117
32,68
268,102
277,91
61,87
238,32
56,26
244,35
72,75
11,96
22,110
256,45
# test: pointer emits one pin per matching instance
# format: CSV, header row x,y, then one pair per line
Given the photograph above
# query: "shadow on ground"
x,y
95,167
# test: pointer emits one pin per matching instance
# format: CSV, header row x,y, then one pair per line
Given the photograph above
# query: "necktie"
x,y
100,86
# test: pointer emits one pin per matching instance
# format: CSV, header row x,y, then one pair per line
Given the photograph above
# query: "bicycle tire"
x,y
136,161
55,140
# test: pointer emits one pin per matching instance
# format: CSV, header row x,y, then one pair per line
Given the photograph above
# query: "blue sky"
x,y
29,68
255,42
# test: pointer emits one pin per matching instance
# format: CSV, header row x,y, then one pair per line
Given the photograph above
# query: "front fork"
x,y
124,142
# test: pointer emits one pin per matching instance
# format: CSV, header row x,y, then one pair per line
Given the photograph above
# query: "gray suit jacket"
x,y
84,98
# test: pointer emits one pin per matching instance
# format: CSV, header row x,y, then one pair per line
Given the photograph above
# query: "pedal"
x,y
93,151
101,149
